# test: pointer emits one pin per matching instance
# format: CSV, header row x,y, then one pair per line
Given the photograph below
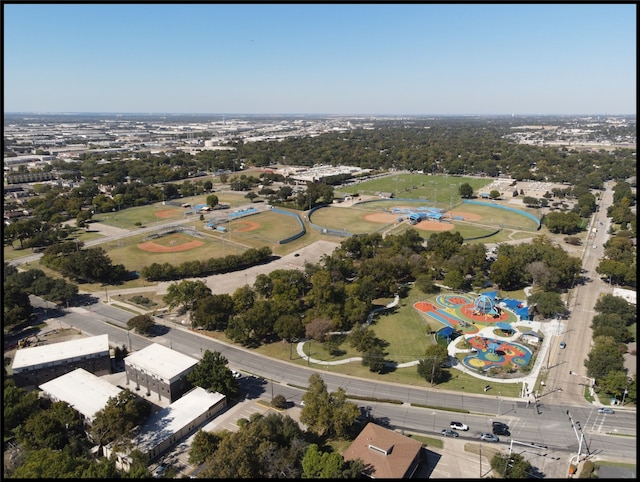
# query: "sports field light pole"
x,y
451,190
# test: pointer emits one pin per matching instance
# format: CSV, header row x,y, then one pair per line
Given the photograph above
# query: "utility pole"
x,y
433,369
576,426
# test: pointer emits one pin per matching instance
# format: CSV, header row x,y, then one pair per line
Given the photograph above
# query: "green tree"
x,y
430,367
16,306
48,463
82,218
265,447
322,465
465,190
203,446
373,358
454,280
17,405
362,338
53,428
605,357
212,200
143,324
213,374
212,312
531,202
327,414
614,383
289,327
185,293
316,413
563,223
119,416
611,304
426,284
511,466
547,304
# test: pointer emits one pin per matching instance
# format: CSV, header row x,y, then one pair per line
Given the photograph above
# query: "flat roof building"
x,y
83,391
36,365
160,371
171,424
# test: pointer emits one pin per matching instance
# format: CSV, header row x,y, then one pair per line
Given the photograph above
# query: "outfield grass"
x,y
444,189
128,253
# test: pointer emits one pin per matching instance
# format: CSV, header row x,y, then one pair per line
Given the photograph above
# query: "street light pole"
x,y
626,391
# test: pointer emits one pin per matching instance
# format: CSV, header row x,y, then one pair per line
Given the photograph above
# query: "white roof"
x,y
629,295
64,350
161,361
81,389
175,417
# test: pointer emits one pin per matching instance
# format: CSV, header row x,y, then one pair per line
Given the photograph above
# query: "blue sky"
x,y
345,59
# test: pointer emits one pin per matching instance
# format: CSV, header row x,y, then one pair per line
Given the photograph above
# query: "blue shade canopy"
x,y
484,304
445,332
504,326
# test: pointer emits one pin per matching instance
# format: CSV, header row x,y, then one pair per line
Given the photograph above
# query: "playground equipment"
x,y
485,305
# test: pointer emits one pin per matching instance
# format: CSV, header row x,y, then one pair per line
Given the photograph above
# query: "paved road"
x,y
577,332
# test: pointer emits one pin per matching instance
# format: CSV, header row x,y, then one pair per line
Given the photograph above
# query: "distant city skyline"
x,y
321,59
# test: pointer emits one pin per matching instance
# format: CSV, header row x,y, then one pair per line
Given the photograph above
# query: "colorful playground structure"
x,y
467,315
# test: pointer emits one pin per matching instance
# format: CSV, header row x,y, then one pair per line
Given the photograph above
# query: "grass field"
x,y
157,213
128,253
241,235
443,189
486,220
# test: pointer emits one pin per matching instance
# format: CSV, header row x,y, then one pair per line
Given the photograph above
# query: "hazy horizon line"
x,y
312,114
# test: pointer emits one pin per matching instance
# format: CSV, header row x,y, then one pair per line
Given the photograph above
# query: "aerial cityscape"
x,y
319,241
106,215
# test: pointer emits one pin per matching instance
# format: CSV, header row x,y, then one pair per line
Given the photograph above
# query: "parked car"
x,y
608,410
449,433
459,426
563,345
500,430
489,437
159,470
